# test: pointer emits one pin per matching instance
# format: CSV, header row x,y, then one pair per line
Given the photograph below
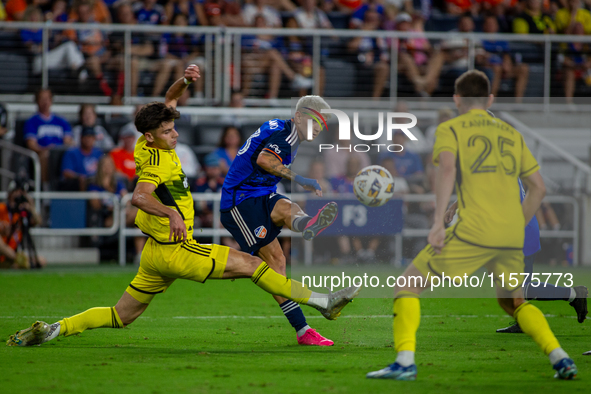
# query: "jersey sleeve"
x,y
30,129
529,165
153,166
445,140
278,145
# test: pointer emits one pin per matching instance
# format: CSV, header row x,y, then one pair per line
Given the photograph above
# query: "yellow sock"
x,y
407,317
276,284
92,318
533,323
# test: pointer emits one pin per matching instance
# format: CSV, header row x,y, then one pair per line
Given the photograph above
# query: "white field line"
x,y
307,317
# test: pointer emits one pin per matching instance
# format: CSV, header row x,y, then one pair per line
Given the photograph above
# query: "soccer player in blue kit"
x,y
254,213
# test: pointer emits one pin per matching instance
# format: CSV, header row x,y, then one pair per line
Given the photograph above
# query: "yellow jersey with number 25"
x,y
490,156
163,169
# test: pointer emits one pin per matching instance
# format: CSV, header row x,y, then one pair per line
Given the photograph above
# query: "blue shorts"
x,y
250,222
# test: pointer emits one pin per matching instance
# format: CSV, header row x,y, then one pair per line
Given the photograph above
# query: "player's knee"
x,y
253,262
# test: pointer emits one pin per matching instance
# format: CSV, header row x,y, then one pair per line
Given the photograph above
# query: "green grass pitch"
x,y
175,348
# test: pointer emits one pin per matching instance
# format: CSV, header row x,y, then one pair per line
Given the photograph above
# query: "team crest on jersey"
x,y
260,232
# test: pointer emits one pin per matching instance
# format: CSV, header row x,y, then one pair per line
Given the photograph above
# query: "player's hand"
x,y
192,73
178,230
451,211
309,184
437,237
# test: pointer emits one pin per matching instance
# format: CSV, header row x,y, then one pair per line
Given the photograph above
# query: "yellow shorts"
x,y
162,264
458,258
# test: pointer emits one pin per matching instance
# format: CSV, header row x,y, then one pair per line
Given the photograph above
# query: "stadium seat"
x,y
185,130
208,133
340,78
14,77
114,125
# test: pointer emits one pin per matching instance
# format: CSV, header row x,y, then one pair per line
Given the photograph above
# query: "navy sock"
x,y
294,314
299,224
546,293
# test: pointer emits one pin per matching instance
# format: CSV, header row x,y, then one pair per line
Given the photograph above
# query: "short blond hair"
x,y
316,103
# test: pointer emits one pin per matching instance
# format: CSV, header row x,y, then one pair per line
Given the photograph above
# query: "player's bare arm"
x,y
178,88
143,199
444,184
271,164
536,190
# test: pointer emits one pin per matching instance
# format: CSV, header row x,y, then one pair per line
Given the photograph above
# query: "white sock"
x,y
573,295
556,355
54,332
302,331
406,358
318,300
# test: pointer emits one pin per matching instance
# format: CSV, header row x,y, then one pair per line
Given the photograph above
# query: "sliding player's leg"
x,y
272,254
242,265
576,296
530,319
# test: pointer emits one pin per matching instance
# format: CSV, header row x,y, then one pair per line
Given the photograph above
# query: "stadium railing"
x,y
217,232
223,50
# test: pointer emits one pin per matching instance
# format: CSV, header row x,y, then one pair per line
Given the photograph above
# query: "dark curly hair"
x,y
152,115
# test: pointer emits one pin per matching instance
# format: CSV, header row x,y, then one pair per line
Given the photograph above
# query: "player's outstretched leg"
x,y
41,332
273,255
533,323
324,218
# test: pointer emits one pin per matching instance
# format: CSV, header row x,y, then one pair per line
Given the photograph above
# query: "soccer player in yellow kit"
x,y
482,156
166,215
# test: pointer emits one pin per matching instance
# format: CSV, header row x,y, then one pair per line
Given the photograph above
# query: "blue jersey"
x,y
532,232
246,179
47,131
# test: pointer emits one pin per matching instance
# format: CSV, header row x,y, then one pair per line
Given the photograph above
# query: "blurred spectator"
x,y
309,16
59,11
130,127
2,12
372,53
344,6
358,16
408,164
575,58
230,142
80,163
344,183
261,55
211,182
3,120
45,130
181,48
270,14
87,118
236,101
532,20
232,14
496,55
101,210
64,56
418,146
418,60
335,161
149,12
189,161
142,47
11,226
318,171
122,155
567,18
92,44
400,184
98,10
460,7
192,9
15,9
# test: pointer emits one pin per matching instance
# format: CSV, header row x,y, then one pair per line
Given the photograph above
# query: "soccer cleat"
x,y
324,218
34,335
565,369
395,371
580,302
337,301
512,329
312,338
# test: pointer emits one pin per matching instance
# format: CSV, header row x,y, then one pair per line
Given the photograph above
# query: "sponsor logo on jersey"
x,y
273,124
275,147
260,232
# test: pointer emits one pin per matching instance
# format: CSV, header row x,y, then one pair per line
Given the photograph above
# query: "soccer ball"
x,y
373,186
